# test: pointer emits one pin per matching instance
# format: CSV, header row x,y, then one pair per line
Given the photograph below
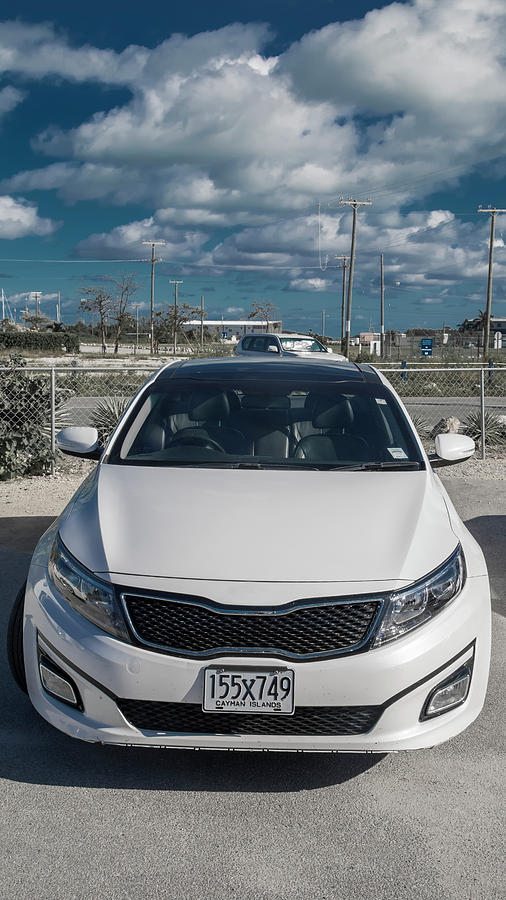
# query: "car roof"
x,y
279,334
280,369
294,334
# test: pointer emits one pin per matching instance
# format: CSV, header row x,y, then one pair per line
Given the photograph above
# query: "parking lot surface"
x,y
82,821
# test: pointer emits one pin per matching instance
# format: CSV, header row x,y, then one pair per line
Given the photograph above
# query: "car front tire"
x,y
15,653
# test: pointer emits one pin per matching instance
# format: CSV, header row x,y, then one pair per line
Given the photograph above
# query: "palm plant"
x,y
107,414
421,425
495,431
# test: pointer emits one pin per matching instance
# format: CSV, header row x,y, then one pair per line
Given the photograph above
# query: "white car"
x,y
287,345
263,559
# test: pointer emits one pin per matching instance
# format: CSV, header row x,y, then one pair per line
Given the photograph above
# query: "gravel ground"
x,y
492,468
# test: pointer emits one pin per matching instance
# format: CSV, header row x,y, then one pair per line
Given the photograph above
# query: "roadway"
x,y
83,821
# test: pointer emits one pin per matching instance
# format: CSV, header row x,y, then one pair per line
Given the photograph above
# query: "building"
x,y
233,329
497,323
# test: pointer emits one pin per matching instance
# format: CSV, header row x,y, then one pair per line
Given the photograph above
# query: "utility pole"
x,y
355,204
175,283
492,212
343,299
323,323
153,260
58,309
202,323
382,309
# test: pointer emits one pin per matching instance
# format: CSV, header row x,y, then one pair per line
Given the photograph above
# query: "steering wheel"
x,y
193,440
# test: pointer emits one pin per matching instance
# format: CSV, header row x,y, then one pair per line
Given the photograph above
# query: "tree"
x,y
261,311
98,302
171,319
126,287
37,322
476,324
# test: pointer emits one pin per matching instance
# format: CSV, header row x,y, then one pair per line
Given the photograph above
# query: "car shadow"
x,y
36,753
490,532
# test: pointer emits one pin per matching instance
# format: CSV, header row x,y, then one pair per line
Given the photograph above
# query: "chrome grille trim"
x,y
264,612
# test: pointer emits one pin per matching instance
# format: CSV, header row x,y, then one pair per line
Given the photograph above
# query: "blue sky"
x,y
230,130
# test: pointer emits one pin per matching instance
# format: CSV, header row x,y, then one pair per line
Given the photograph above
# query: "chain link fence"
x,y
36,403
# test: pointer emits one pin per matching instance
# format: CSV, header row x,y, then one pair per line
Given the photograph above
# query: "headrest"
x,y
265,401
209,406
332,412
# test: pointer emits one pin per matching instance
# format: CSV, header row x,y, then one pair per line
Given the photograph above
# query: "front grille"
x,y
307,630
188,718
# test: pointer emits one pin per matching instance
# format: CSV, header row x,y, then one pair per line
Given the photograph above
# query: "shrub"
x,y
24,412
39,340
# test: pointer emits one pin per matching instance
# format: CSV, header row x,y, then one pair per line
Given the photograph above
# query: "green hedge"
x,y
39,340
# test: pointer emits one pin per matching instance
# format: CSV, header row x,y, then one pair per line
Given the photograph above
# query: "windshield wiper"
x,y
389,465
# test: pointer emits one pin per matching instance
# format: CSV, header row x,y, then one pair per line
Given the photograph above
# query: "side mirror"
x,y
452,448
79,440
272,349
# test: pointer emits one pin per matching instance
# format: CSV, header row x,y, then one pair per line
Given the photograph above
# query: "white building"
x,y
230,329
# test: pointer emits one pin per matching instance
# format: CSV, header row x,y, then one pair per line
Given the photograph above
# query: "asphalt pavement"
x,y
82,821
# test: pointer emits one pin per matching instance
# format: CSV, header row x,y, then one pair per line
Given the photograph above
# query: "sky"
x,y
230,131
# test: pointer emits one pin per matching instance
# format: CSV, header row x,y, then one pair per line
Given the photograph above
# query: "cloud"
x,y
215,134
10,97
28,297
126,242
216,129
308,284
438,60
19,218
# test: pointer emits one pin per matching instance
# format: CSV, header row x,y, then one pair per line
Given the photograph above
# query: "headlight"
x,y
408,609
87,594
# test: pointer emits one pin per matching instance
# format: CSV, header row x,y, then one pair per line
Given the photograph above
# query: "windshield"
x,y
306,345
261,424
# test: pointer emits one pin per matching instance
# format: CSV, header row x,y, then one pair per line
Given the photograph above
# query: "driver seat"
x,y
211,410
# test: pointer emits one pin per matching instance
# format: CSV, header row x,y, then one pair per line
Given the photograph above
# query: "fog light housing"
x,y
449,694
58,683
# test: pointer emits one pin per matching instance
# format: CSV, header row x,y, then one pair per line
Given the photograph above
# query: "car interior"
x,y
315,426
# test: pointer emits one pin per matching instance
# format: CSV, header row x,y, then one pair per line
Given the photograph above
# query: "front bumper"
x,y
395,678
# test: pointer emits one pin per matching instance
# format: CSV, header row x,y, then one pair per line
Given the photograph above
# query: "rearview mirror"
x,y
452,448
79,440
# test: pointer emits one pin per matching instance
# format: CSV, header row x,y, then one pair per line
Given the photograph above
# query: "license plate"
x,y
249,691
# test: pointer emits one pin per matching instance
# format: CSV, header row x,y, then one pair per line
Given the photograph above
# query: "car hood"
x,y
260,525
